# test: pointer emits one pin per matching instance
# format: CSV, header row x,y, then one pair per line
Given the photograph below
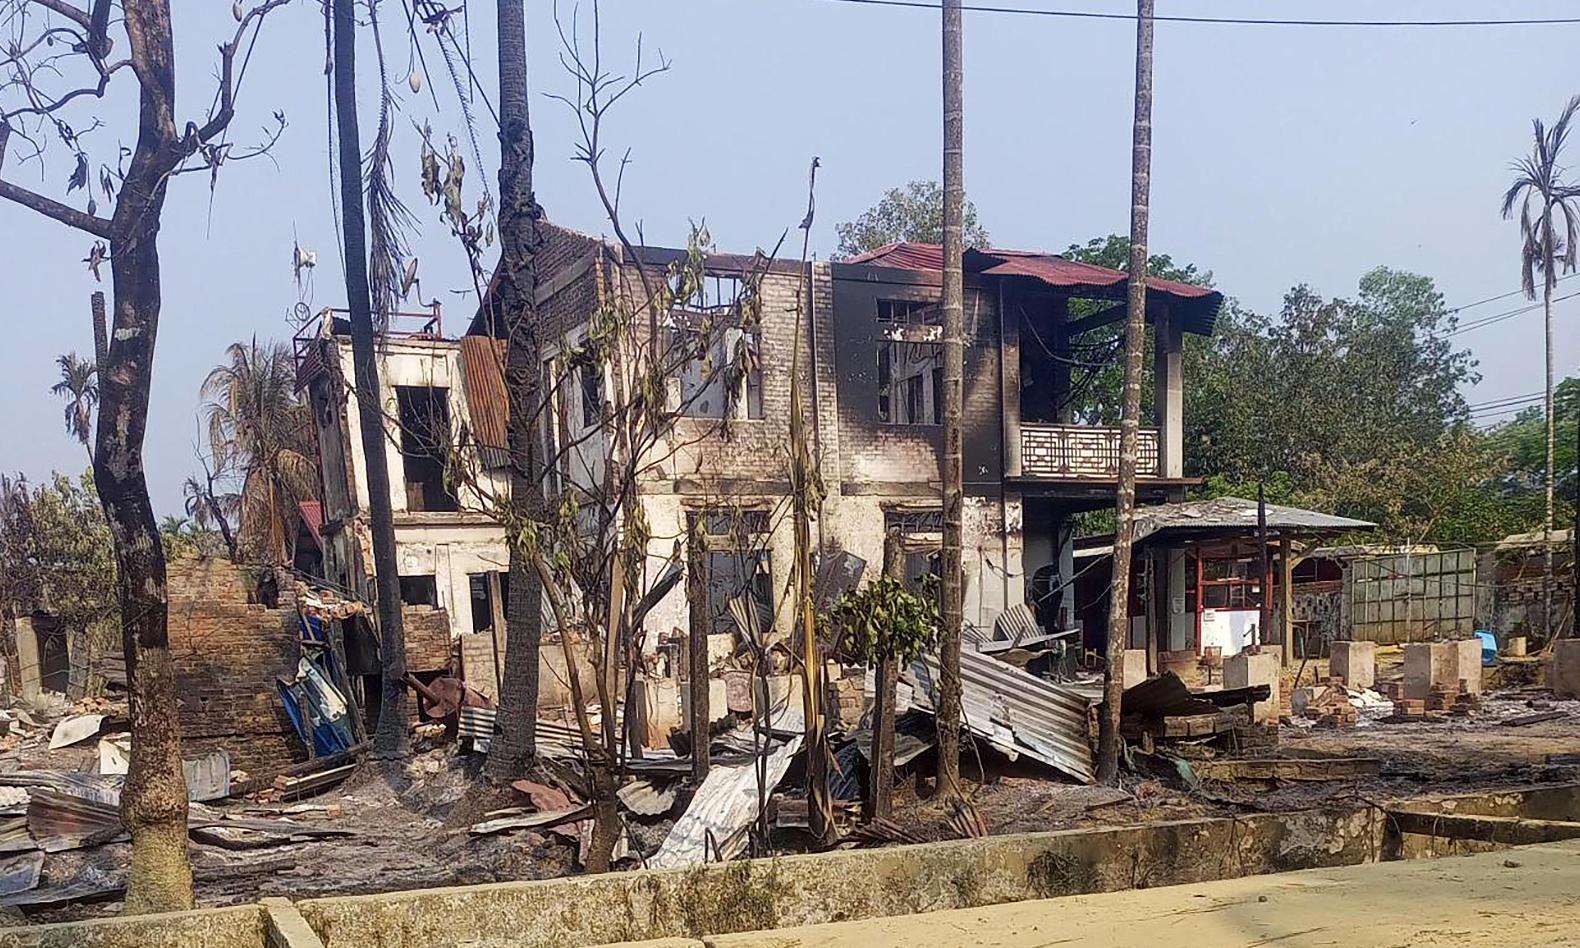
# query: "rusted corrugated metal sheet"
x,y
482,370
64,821
1198,303
1017,712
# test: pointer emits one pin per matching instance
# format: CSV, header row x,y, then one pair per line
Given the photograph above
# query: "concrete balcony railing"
x,y
1081,451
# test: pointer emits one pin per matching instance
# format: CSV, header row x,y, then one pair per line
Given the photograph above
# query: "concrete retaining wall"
x,y
239,926
808,889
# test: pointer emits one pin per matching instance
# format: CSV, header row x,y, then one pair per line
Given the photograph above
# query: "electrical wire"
x,y
1506,400
1492,299
1508,314
1214,20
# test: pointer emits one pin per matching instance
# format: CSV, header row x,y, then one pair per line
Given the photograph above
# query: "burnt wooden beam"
x,y
1104,317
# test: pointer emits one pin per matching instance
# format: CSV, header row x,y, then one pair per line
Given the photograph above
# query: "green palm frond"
x,y
261,432
1546,204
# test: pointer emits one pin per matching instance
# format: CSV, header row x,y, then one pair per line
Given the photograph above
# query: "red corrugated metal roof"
x,y
482,369
312,512
1199,301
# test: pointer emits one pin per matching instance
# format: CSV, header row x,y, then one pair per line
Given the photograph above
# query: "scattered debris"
x,y
646,798
714,825
20,873
75,729
1016,712
504,821
1539,717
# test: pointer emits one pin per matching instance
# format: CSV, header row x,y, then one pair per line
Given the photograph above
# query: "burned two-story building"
x,y
1034,459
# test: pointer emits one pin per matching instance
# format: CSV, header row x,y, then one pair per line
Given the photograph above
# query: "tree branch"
x,y
70,216
227,86
74,14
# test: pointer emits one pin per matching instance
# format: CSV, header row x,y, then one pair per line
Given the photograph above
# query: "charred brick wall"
x,y
427,638
227,649
881,458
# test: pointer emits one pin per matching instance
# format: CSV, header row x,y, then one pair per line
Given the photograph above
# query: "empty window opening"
x,y
921,538
419,591
482,602
738,564
590,378
713,293
424,442
719,368
910,383
910,313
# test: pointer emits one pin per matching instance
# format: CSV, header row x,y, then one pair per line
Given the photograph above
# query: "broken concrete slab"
x,y
1309,769
1134,670
1427,664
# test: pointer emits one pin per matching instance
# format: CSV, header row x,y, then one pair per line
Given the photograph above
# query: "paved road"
x,y
1518,897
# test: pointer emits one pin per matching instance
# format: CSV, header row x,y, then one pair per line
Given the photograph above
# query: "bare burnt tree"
x,y
389,734
1129,418
584,530
59,59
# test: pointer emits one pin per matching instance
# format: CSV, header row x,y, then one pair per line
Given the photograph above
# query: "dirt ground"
x,y
411,824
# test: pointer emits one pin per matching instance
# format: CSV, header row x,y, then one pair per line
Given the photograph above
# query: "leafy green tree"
x,y
55,544
1521,446
1101,404
913,213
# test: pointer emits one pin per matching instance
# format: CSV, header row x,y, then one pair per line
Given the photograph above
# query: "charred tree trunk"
x,y
154,798
951,590
699,716
515,313
1129,421
389,735
606,822
885,680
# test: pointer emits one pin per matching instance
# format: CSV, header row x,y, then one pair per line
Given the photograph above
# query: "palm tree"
x,y
1108,741
951,589
389,737
210,511
261,430
79,386
519,241
1543,197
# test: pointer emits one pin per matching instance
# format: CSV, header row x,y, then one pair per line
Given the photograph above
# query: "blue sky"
x,y
1281,155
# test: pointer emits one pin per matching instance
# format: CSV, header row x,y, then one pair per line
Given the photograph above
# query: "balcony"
x,y
1081,452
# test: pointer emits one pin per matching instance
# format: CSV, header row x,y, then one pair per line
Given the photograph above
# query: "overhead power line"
x,y
1220,20
1509,314
1507,400
1506,409
1502,296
